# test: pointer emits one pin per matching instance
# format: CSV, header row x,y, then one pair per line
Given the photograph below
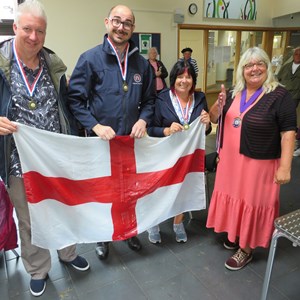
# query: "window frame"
x,y
7,25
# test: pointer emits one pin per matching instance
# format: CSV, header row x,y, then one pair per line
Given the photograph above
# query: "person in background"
x,y
175,109
112,90
32,92
187,56
289,76
257,128
159,69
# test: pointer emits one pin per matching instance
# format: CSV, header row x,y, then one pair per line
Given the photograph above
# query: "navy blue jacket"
x,y
96,92
165,113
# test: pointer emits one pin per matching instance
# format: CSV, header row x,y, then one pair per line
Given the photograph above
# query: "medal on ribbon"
x,y
32,105
185,113
123,67
237,122
245,104
186,126
125,86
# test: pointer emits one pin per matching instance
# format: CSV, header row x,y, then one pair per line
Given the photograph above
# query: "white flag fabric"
x,y
83,190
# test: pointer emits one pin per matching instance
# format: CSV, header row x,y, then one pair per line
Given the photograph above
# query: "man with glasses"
x,y
112,91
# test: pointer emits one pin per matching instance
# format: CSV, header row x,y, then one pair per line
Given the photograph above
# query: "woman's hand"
x,y
222,97
158,73
282,176
217,107
205,118
283,173
175,127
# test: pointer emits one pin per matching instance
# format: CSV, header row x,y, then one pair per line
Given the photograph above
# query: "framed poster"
x,y
144,41
230,9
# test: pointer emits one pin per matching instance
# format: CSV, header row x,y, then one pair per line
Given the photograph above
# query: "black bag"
x,y
211,161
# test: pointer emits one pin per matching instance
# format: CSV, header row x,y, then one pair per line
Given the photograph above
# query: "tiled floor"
x,y
194,270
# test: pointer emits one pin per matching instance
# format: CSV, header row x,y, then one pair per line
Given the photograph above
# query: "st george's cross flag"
x,y
84,190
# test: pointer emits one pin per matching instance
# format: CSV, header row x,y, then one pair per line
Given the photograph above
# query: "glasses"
x,y
117,22
260,65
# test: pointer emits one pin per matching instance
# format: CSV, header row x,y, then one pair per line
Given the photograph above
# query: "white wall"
x,y
75,25
281,8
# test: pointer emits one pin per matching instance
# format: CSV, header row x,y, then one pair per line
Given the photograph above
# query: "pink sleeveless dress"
x,y
245,200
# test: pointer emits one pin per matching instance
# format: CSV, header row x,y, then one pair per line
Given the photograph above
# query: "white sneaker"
x,y
154,235
179,230
297,152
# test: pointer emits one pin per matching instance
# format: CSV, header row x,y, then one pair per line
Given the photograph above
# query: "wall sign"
x,y
144,41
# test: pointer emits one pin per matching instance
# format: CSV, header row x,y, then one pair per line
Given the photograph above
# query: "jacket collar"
x,y
107,48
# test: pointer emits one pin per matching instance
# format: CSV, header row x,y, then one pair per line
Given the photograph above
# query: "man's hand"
x,y
104,132
6,126
138,129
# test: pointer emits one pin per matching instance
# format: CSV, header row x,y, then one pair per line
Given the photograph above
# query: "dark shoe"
x,y
231,246
37,287
102,250
239,260
79,263
134,244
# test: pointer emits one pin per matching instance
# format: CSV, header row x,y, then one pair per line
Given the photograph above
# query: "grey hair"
x,y
256,54
296,49
152,48
33,7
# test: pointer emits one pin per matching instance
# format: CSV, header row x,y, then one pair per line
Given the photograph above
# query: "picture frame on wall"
x,y
145,40
231,9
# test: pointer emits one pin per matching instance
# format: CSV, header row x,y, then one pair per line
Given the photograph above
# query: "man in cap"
x,y
187,56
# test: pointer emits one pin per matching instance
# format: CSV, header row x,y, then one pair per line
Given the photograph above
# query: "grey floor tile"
x,y
100,274
288,284
125,289
153,266
182,286
4,289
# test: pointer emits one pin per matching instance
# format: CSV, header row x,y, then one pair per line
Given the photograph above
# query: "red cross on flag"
x,y
83,190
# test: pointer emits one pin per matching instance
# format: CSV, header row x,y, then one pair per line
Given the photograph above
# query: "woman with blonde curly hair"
x,y
257,134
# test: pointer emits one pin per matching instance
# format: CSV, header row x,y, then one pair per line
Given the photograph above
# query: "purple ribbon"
x,y
244,105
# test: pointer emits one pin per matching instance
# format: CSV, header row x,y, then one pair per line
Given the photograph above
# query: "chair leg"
x,y
15,253
270,262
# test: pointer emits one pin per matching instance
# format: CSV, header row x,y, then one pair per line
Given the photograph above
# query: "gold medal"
x,y
32,105
125,87
186,126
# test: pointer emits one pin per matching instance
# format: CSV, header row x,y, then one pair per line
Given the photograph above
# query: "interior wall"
x,y
281,8
75,26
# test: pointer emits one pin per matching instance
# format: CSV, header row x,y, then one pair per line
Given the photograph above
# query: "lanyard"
x,y
185,114
123,69
243,104
30,87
